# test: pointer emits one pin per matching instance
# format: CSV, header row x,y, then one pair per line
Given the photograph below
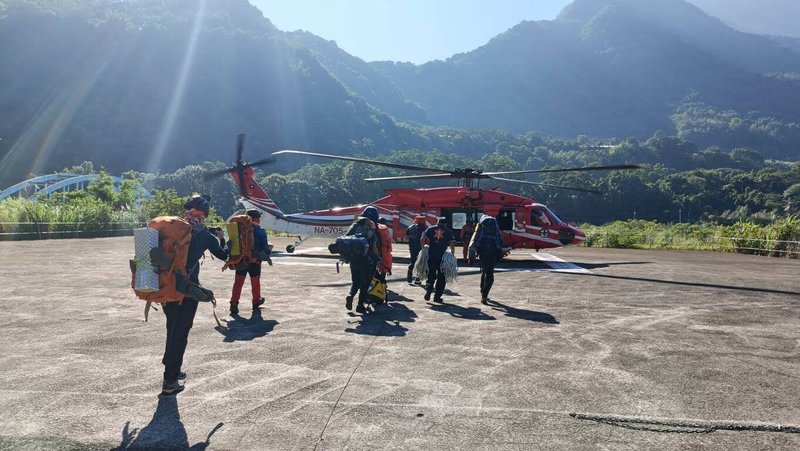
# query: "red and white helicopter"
x,y
524,223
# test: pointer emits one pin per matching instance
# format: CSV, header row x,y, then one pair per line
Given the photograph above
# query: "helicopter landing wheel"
x,y
290,249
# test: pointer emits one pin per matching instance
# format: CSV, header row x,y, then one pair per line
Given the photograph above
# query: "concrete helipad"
x,y
647,350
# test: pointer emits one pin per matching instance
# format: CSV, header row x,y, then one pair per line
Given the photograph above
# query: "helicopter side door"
x,y
458,217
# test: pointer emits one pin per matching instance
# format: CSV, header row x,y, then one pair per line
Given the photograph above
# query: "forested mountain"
x,y
360,77
154,85
605,68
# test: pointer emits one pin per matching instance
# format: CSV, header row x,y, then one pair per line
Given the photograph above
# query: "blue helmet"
x,y
371,213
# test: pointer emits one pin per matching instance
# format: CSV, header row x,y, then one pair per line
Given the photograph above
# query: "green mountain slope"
x,y
606,68
154,85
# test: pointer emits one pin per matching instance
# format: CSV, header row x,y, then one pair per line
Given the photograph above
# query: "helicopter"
x,y
523,222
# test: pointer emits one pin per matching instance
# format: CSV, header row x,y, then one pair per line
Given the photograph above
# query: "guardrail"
x,y
16,231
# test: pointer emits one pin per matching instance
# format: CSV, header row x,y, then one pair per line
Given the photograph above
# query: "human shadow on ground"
x,y
608,265
384,321
239,328
447,291
165,430
688,284
530,315
458,311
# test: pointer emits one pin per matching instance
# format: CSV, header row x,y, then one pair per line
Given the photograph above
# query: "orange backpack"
x,y
386,246
240,232
166,261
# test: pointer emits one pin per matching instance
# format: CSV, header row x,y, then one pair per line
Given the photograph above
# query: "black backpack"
x,y
355,245
488,235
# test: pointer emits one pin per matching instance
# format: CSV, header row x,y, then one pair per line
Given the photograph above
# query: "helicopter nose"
x,y
578,237
570,235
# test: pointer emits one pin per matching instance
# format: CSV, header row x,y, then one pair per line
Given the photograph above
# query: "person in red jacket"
x,y
260,252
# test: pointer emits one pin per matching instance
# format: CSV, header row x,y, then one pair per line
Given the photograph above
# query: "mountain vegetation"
x,y
163,87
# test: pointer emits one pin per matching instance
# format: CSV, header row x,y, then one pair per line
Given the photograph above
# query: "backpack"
x,y
385,246
159,265
350,248
487,238
240,233
354,246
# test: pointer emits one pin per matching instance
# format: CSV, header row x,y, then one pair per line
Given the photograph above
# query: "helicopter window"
x,y
555,217
539,218
505,220
458,220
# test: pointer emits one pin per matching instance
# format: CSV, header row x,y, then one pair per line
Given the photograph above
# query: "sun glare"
x,y
171,114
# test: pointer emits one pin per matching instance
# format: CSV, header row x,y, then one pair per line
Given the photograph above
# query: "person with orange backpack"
x,y
180,315
259,253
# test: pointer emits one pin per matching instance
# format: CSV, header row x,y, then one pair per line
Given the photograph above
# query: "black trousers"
x,y
254,269
179,322
361,275
414,255
488,259
435,274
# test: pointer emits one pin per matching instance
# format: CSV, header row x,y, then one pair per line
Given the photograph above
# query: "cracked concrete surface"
x,y
671,335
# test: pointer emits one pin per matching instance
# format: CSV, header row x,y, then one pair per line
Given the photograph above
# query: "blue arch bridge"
x,y
46,185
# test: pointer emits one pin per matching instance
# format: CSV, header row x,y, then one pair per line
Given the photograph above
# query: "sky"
x,y
415,31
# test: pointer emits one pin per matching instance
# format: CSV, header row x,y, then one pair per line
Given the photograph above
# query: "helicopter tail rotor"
x,y
239,168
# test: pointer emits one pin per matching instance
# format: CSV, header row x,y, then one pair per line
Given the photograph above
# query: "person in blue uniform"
x,y
438,238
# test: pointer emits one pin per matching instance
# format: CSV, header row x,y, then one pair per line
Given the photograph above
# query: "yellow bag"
x,y
377,291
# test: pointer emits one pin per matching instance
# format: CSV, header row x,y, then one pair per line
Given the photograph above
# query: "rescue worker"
x,y
180,315
414,234
261,252
437,238
466,235
362,269
487,243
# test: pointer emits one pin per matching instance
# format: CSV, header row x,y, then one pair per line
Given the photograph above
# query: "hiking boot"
x,y
348,302
258,303
361,309
171,388
485,300
410,280
427,295
234,309
181,376
437,299
417,281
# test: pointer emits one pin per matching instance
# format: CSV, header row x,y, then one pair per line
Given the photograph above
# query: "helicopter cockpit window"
x,y
539,218
555,217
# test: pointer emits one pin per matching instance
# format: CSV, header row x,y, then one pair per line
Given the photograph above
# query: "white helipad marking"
x,y
559,265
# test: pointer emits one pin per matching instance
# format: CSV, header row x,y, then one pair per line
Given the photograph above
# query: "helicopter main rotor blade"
x,y
363,160
525,182
263,161
581,169
216,173
240,146
411,177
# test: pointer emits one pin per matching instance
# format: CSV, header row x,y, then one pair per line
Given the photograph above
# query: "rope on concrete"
x,y
683,426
